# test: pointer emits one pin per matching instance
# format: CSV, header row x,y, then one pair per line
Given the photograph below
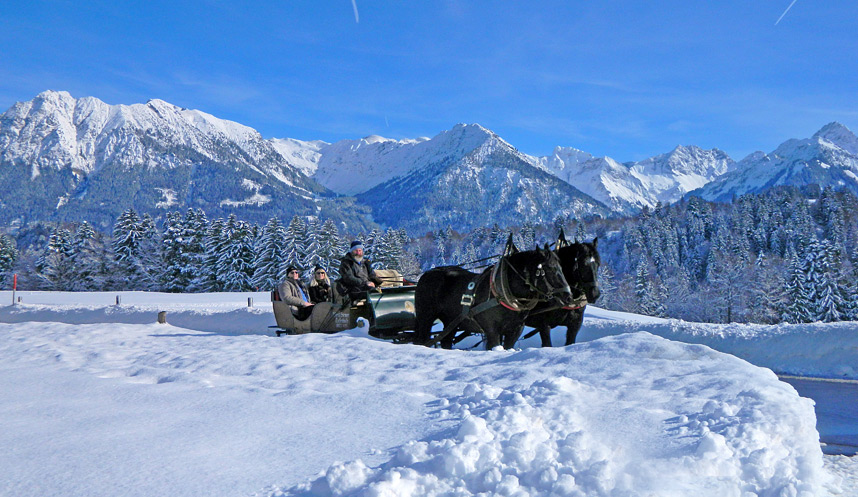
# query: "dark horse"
x,y
580,263
494,302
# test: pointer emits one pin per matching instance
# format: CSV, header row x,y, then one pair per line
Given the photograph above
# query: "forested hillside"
x,y
784,255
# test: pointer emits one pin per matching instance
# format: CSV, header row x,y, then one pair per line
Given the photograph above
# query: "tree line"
x,y
190,253
786,255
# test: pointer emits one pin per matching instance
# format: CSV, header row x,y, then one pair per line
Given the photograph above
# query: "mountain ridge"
x,y
62,158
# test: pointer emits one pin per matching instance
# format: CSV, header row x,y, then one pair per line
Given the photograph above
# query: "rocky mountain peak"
x,y
839,135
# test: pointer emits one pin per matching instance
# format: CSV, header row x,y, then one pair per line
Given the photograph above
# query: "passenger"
x,y
320,287
293,292
356,274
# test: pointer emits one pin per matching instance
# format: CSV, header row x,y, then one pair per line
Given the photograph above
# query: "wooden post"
x,y
162,317
249,301
117,300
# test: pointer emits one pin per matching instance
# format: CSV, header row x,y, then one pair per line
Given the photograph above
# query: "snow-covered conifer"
x,y
270,255
8,256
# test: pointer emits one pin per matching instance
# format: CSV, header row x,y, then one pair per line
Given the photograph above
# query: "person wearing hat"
x,y
293,292
356,274
320,287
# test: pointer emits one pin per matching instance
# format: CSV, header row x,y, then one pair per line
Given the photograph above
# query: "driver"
x,y
356,274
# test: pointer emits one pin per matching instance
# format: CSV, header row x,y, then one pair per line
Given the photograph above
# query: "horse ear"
x,y
595,242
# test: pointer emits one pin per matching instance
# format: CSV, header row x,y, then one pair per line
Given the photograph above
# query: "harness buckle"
x,y
467,300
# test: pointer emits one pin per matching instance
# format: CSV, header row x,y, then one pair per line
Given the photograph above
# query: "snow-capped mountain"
x,y
828,158
303,155
466,177
70,159
63,158
350,167
626,188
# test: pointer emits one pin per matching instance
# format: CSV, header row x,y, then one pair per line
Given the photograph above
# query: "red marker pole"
x,y
14,287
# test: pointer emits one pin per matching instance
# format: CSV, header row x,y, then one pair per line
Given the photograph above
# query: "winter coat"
x,y
321,291
290,294
355,276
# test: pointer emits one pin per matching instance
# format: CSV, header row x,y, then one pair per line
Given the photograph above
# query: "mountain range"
x,y
67,159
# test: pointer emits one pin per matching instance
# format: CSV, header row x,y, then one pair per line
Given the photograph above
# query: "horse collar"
x,y
499,286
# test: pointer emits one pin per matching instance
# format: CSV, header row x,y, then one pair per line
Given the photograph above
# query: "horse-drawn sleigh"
x,y
389,311
541,288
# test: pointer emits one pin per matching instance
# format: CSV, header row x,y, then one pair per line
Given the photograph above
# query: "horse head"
x,y
540,276
581,262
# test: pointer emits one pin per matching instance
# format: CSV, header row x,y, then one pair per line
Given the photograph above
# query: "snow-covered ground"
x,y
99,399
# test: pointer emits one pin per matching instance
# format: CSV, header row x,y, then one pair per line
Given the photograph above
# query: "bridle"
x,y
585,287
499,284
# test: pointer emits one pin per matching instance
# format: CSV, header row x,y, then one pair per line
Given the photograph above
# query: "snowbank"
x,y
596,420
222,313
101,400
821,349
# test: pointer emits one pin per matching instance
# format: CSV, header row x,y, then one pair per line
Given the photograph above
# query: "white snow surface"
x,y
304,155
99,399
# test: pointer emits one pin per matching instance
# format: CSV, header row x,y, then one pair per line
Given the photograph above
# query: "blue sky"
x,y
624,79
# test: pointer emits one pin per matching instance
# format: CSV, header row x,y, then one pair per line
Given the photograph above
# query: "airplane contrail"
x,y
776,22
357,18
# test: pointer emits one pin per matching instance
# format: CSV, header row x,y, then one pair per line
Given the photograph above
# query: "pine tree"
x,y
175,276
372,244
55,268
235,257
194,240
313,251
86,266
128,237
8,256
827,298
646,292
270,255
332,248
296,233
207,279
797,305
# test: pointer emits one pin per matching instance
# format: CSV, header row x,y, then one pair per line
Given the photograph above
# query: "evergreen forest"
x,y
785,255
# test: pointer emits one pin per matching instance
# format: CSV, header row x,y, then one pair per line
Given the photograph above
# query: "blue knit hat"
x,y
356,245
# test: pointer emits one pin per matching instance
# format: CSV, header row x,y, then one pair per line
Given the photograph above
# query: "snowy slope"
x,y
468,177
149,409
626,188
350,167
57,131
303,155
828,158
74,159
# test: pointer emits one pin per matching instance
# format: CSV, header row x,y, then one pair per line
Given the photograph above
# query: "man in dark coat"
x,y
356,274
293,292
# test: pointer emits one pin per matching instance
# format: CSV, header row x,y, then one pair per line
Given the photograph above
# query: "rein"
x,y
499,284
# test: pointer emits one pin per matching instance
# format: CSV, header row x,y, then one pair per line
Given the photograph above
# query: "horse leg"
x,y
492,339
573,325
447,341
511,334
545,335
